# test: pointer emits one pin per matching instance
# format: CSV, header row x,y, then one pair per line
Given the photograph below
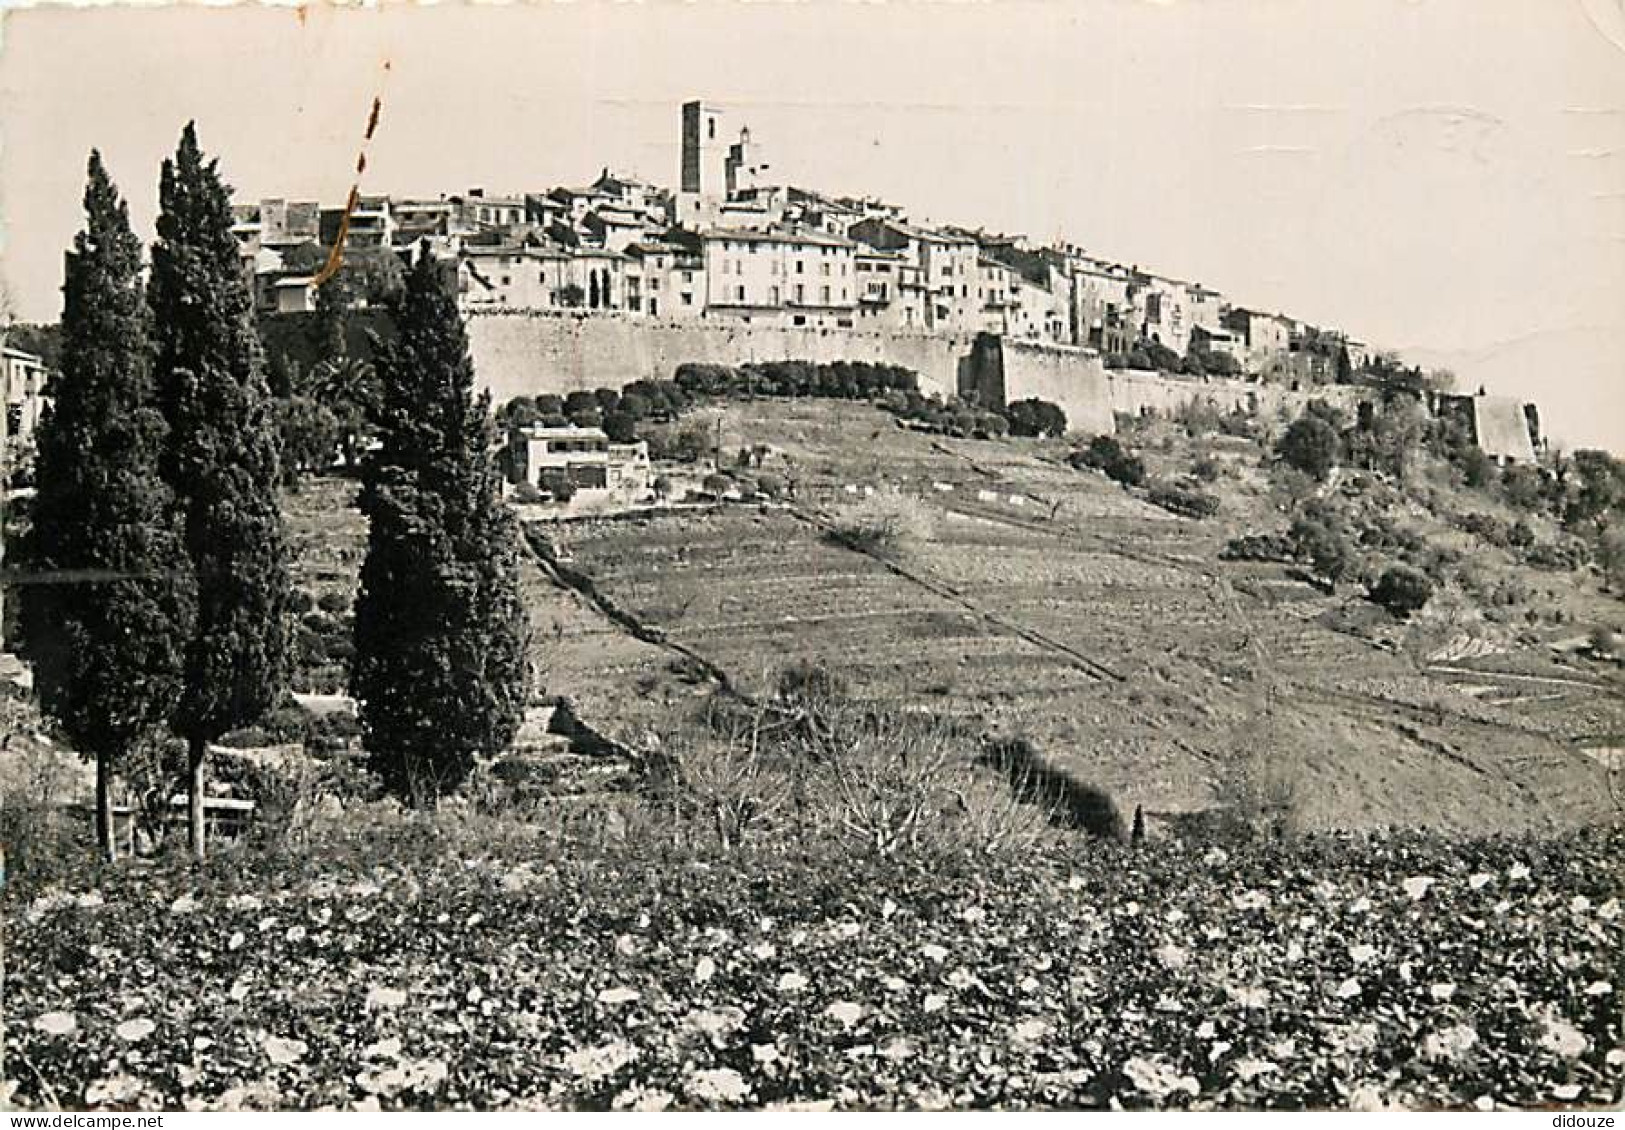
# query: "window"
x,y
823,295
739,293
688,299
688,276
772,296
824,269
801,294
506,281
801,266
711,128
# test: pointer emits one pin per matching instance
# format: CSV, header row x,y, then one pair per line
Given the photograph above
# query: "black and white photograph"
x,y
1025,555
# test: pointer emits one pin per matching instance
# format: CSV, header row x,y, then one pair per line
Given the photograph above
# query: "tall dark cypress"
x,y
108,606
440,629
221,460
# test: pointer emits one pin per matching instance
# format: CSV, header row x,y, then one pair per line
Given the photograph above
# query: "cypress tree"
x,y
106,621
221,461
440,630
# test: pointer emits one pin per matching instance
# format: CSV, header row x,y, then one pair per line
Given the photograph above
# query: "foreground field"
x,y
431,965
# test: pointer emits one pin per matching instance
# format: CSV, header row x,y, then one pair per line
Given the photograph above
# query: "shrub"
x,y
300,602
1107,455
1035,417
526,492
1206,469
1323,547
1186,503
1198,417
333,602
885,521
685,443
1402,590
1260,547
716,484
1309,445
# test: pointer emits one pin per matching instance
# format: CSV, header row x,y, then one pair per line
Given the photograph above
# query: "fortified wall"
x,y
1002,370
526,354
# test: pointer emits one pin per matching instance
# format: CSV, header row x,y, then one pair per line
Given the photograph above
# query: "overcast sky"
x,y
1444,177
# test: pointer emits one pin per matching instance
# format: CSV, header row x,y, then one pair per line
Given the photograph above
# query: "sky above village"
x,y
1441,177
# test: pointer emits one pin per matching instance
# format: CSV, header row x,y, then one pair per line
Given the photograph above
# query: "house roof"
x,y
776,234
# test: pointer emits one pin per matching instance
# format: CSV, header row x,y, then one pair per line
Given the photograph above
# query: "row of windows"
x,y
799,298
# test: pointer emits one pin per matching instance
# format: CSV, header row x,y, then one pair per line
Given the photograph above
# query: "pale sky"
x,y
1443,177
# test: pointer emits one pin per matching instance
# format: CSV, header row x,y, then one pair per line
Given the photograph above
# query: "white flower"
x,y
717,1022
1294,951
243,902
1417,886
1518,871
888,908
718,1085
844,1012
133,1031
626,945
1250,900
381,996
972,914
56,1023
296,934
792,983
1216,857
1579,904
1563,1038
1249,1069
1360,905
764,951
643,1099
1030,1031
933,952
1348,989
281,1051
1442,990
846,930
764,1053
618,995
898,1050
1599,989
1158,1078
184,905
1206,1030
236,940
1249,996
1566,1092
895,984
1172,956
1480,880
383,1049
1362,953
1451,1043
961,979
704,970
1609,910
601,1061
935,1002
1175,916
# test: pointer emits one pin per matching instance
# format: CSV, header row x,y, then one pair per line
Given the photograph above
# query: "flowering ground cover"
x,y
422,968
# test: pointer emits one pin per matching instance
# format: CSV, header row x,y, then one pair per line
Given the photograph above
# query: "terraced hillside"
x,y
1050,603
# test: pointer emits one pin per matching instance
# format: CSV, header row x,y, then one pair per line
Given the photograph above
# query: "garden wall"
x,y
527,354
